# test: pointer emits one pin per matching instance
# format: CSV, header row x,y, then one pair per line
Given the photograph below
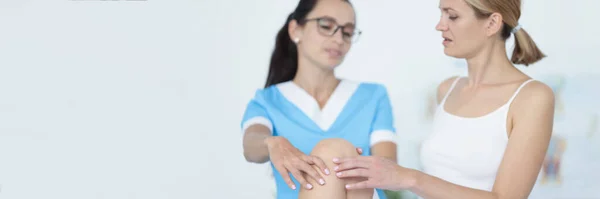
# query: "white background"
x,y
143,99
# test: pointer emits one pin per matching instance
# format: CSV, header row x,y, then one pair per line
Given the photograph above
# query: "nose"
x,y
441,26
338,36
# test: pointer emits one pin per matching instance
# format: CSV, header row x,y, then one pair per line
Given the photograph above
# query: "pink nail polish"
x,y
309,186
294,187
336,160
321,181
339,174
336,168
347,186
327,171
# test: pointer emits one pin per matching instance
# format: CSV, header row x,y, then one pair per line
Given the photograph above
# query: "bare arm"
x,y
533,114
255,147
383,136
385,149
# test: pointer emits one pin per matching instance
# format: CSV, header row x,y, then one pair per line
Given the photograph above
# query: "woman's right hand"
x,y
287,158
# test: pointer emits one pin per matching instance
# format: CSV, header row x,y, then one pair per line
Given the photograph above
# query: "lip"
x,y
334,52
446,41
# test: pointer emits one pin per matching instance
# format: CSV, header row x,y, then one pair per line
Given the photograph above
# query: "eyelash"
x,y
452,18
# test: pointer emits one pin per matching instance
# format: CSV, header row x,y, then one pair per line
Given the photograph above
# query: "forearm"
x,y
431,187
255,147
385,149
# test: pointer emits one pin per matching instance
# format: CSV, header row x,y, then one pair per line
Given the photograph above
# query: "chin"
x,y
453,53
332,63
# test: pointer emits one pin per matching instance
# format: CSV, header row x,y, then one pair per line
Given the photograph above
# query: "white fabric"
x,y
466,150
305,102
382,136
257,120
331,110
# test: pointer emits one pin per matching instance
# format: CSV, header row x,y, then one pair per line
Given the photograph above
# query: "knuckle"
x,y
314,173
297,161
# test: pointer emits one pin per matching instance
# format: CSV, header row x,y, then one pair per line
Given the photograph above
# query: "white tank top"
x,y
466,151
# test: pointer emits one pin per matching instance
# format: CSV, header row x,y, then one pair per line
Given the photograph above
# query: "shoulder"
x,y
377,90
532,110
266,95
444,86
534,94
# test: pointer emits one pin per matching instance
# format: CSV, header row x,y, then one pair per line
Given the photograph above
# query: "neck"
x,y
489,65
317,82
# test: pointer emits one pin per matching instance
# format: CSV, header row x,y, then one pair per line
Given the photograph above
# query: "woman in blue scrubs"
x,y
305,116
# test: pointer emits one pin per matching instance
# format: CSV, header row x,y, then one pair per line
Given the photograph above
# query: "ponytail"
x,y
284,60
526,51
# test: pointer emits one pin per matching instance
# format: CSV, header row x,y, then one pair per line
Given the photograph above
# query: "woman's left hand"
x,y
380,173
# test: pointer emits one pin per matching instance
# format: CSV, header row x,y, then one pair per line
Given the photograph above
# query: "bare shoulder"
x,y
535,94
443,88
534,106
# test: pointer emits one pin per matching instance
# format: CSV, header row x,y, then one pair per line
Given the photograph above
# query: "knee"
x,y
334,146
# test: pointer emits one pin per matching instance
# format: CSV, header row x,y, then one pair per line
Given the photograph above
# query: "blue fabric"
x,y
368,110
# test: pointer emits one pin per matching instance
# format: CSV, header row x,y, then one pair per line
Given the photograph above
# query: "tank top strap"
x,y
517,91
450,90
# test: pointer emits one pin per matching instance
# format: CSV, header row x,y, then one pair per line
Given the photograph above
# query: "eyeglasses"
x,y
327,26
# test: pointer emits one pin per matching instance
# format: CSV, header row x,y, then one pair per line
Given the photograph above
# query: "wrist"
x,y
414,177
268,141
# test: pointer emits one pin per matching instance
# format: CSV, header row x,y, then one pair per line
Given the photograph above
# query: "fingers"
x,y
352,163
298,175
353,173
286,177
319,162
361,185
312,172
339,160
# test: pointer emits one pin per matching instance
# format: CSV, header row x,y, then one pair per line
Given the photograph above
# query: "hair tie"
x,y
516,28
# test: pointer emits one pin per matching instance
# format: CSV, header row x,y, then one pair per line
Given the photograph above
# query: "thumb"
x,y
360,185
359,150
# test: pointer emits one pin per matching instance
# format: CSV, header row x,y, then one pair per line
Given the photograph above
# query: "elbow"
x,y
254,159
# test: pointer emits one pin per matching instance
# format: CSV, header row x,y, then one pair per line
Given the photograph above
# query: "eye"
x,y
453,17
348,32
326,24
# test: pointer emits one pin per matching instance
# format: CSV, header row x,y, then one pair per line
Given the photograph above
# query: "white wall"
x,y
143,99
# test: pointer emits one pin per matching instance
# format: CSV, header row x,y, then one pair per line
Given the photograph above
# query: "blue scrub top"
x,y
358,112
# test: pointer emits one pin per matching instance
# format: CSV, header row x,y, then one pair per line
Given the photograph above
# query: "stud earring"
x,y
296,40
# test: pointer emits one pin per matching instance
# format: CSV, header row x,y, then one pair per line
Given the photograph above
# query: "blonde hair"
x,y
526,51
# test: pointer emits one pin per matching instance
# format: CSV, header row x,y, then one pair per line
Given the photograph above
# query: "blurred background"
x,y
123,99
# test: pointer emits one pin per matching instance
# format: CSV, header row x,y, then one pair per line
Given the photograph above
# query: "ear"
x,y
294,30
494,24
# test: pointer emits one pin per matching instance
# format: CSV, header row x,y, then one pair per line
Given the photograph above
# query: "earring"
x,y
296,40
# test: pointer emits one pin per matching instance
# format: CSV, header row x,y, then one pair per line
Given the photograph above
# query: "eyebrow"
x,y
336,21
447,8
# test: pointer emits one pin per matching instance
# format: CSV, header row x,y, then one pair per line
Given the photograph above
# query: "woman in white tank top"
x,y
491,129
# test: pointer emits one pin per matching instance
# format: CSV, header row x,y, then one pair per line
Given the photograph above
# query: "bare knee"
x,y
334,147
328,149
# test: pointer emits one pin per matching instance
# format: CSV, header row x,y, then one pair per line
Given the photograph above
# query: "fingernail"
x,y
321,181
336,159
294,187
336,168
347,186
339,174
309,186
327,171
